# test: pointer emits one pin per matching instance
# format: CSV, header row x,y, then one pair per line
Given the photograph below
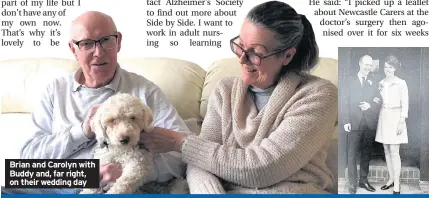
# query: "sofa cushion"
x,y
327,68
22,79
219,69
181,81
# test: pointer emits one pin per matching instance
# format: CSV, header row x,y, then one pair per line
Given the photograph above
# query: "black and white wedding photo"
x,y
383,120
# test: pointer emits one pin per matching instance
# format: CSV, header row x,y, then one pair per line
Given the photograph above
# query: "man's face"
x,y
365,65
375,66
98,60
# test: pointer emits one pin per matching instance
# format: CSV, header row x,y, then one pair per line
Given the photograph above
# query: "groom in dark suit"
x,y
360,121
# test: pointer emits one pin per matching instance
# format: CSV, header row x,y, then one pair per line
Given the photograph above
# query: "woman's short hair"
x,y
292,30
393,61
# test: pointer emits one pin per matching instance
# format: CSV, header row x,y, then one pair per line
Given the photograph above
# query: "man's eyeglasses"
x,y
107,42
255,59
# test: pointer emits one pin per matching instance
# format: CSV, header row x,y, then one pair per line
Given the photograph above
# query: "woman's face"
x,y
389,70
259,41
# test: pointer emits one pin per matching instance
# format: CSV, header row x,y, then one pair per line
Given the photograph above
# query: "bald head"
x,y
98,60
365,58
91,21
365,64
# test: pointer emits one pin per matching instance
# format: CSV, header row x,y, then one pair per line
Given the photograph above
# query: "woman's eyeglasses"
x,y
255,59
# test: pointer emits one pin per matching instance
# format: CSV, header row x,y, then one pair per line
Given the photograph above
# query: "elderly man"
x,y
61,119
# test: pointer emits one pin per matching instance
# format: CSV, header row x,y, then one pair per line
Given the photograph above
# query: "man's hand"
x,y
348,127
86,127
377,100
109,173
364,106
162,140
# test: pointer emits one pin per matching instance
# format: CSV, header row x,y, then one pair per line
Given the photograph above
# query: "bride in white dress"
x,y
392,129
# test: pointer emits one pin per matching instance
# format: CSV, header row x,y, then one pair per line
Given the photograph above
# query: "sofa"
x,y
186,85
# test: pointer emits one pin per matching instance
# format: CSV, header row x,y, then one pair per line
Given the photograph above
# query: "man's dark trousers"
x,y
359,141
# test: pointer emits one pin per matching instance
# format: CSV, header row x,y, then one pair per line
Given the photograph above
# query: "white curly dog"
x,y
117,124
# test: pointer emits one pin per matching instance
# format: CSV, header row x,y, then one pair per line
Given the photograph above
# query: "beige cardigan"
x,y
281,149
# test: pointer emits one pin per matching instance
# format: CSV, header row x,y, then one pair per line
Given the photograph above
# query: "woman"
x,y
266,132
391,129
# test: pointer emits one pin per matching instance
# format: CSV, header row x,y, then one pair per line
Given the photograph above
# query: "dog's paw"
x,y
119,189
90,191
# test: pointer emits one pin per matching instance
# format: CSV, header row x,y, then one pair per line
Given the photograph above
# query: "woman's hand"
x,y
401,126
109,173
162,140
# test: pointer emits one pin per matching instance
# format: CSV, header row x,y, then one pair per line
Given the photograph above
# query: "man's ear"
x,y
119,41
147,119
73,49
288,56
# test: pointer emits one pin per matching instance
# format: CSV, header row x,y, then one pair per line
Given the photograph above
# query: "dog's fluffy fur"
x,y
119,117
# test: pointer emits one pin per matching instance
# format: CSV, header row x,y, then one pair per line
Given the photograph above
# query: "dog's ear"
x,y
147,119
98,129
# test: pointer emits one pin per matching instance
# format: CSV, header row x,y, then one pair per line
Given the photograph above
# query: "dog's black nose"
x,y
125,140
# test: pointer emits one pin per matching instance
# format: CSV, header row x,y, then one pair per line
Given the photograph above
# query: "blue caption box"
x,y
52,173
